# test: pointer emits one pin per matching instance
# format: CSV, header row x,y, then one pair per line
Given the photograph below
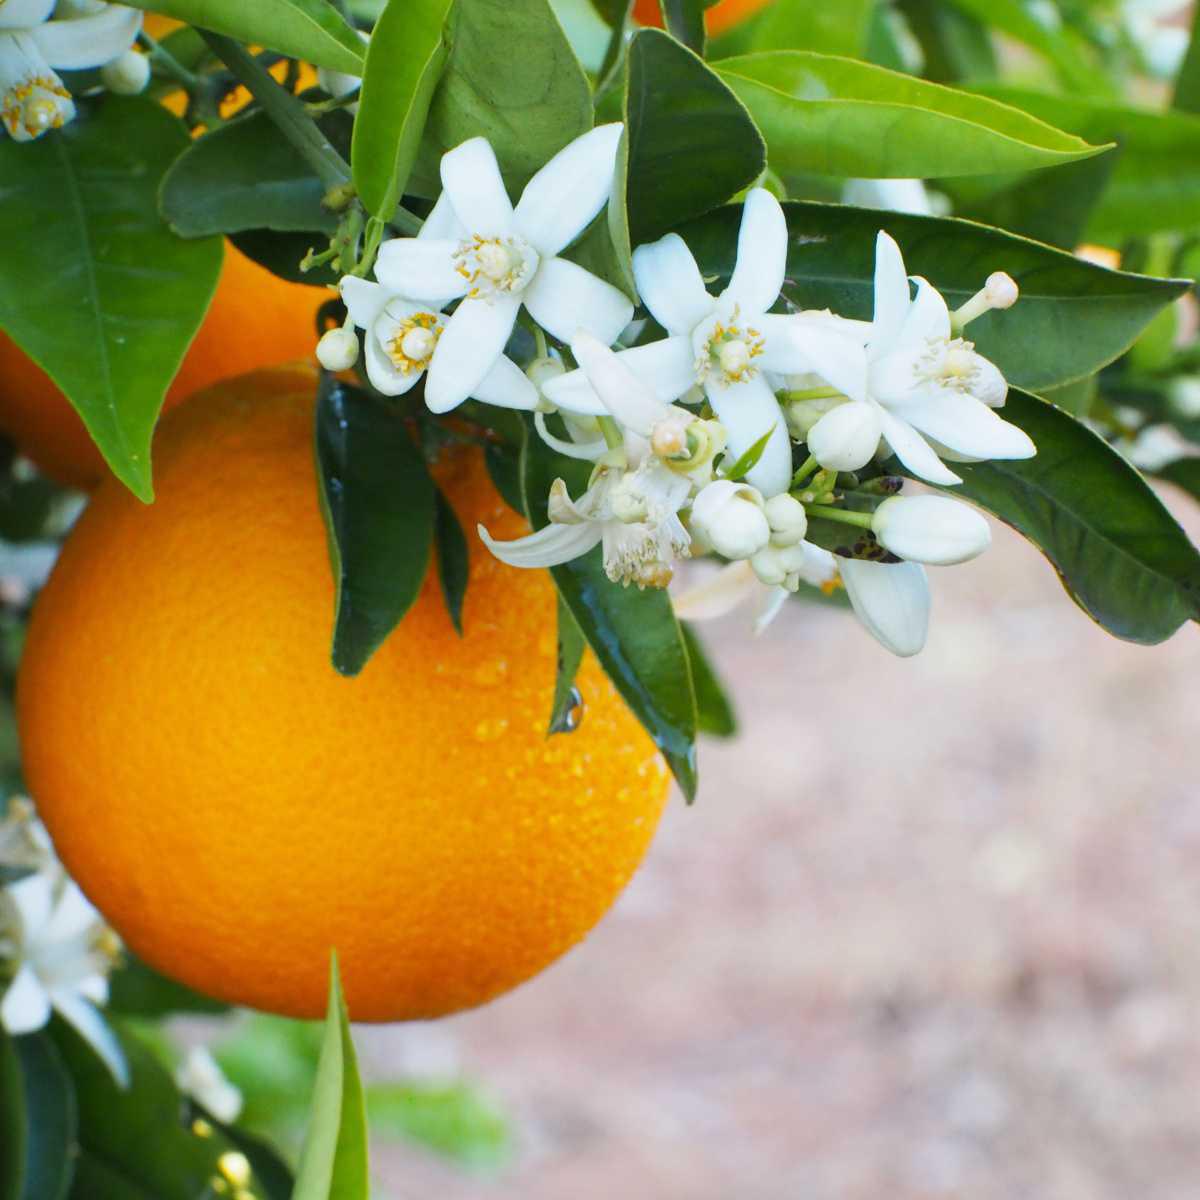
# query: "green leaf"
x,y
512,78
804,25
93,285
243,176
571,645
1120,554
1187,85
454,1120
691,142
714,709
684,21
1155,183
955,45
837,116
404,64
633,634
38,1120
310,30
1183,473
378,503
333,1162
452,563
1072,317
282,253
136,990
133,1145
748,461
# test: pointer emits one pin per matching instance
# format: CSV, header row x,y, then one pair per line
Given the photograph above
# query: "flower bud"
x,y
729,516
930,529
770,567
542,370
338,349
787,518
846,438
127,74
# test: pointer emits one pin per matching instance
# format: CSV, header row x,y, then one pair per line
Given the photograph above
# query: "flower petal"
x,y
891,600
585,451
668,281
966,426
471,343
928,318
471,176
793,345
667,366
34,898
88,41
847,437
72,918
761,254
748,410
561,200
720,593
26,1006
383,373
442,223
626,396
507,386
422,269
891,292
914,452
24,14
549,547
94,1030
363,299
564,298
897,195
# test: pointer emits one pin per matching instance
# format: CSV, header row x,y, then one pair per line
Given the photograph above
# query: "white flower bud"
x,y
787,518
930,529
542,370
770,567
338,349
127,74
802,415
846,438
729,517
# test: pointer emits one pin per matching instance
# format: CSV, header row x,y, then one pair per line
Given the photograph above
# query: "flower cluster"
x,y
745,431
82,33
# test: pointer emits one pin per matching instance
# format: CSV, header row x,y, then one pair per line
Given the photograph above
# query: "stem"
x,y
166,62
610,68
283,108
816,393
612,433
408,223
806,468
540,339
861,519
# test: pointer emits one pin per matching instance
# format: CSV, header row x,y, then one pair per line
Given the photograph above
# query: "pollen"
x,y
495,265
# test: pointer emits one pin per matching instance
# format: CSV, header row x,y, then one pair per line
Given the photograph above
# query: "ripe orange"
x,y
723,15
256,319
237,809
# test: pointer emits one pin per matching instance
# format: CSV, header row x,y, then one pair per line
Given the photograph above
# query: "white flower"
x,y
496,257
32,97
731,518
728,344
891,600
930,529
897,195
200,1076
60,951
919,380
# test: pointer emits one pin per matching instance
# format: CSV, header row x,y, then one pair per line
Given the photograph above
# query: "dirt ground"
x,y
930,931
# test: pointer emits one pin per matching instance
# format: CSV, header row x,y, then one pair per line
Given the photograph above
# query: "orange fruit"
x,y
256,319
237,809
723,15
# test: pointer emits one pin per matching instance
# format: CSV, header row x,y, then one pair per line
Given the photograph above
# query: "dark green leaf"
x,y
134,1145
684,20
378,503
93,285
748,461
1187,85
679,112
1120,554
38,1120
571,645
333,1162
837,116
136,990
404,64
243,176
633,633
310,30
512,78
1072,317
451,558
714,709
281,254
274,1175
454,1120
955,45
1183,473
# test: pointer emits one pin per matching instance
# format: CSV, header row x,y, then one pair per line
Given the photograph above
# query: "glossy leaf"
x,y
333,1162
511,77
571,645
137,990
451,558
282,253
93,285
679,111
38,1120
1155,183
955,45
634,634
684,21
1118,551
404,64
1183,473
378,503
1187,84
133,1143
1072,317
746,462
714,710
837,116
243,176
839,28
310,30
